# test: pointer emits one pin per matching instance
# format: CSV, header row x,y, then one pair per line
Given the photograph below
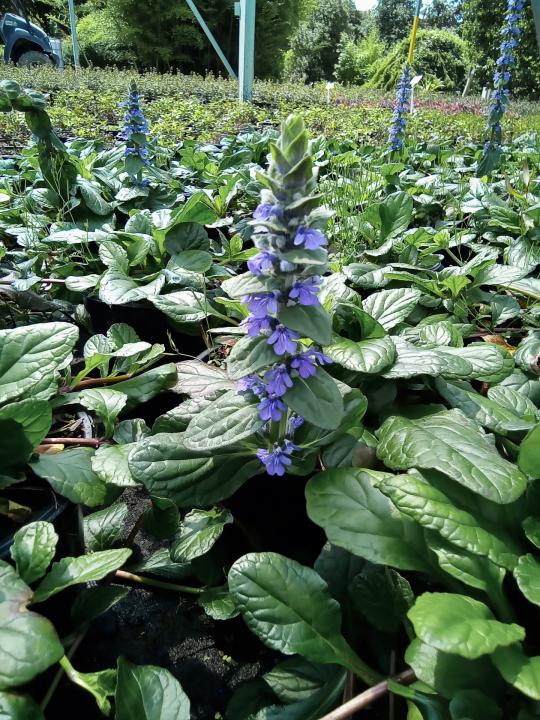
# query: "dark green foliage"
x,y
442,15
439,53
482,23
394,19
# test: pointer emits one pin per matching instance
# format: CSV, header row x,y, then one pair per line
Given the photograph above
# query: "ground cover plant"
x,y
270,420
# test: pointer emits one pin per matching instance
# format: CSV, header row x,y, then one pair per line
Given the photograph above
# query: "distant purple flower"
x,y
283,340
262,263
250,383
309,238
295,421
278,380
275,462
271,408
261,304
305,292
255,326
265,211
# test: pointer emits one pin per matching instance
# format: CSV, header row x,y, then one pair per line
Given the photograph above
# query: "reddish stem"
x,y
88,442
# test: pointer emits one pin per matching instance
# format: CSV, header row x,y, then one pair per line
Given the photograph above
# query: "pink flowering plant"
x,y
284,403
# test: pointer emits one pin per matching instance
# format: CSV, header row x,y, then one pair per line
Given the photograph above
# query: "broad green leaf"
x,y
317,400
528,353
198,532
162,518
454,445
288,606
448,674
474,705
249,355
460,625
168,469
110,463
473,570
382,596
297,679
527,574
113,255
19,707
148,384
93,199
310,321
103,528
74,571
199,379
100,684
367,356
70,474
218,603
391,307
531,528
198,261
358,517
484,410
106,403
33,549
529,454
184,306
432,509
511,399
131,431
519,670
92,602
28,642
244,284
34,417
226,421
117,288
395,212
31,357
15,447
338,568
431,707
146,692
315,706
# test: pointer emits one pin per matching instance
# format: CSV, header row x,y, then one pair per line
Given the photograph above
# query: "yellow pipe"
x,y
414,35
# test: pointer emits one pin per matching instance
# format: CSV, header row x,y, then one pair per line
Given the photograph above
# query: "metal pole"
x,y
414,32
74,38
246,70
536,14
212,39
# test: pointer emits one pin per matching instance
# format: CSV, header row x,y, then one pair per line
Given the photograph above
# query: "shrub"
x,y
439,53
356,59
100,43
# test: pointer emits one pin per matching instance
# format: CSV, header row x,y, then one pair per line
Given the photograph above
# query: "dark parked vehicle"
x,y
25,43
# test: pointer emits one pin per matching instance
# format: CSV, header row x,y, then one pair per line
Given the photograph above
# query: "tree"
x,y
394,19
442,15
482,23
315,46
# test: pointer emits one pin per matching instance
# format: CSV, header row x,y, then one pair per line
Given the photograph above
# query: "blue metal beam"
x,y
536,14
211,38
246,69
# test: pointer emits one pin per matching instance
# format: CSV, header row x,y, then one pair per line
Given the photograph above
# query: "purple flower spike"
x,y
305,292
320,357
250,383
255,326
271,408
283,340
262,264
278,380
262,304
295,422
265,211
309,239
275,462
290,447
304,364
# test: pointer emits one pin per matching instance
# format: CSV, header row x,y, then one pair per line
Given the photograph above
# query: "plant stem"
x,y
56,680
45,281
123,575
135,529
87,442
97,382
367,697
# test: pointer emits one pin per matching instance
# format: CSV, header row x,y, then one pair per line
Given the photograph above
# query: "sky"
x,y
365,4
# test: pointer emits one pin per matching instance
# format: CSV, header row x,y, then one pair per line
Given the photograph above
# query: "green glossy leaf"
x,y
288,606
310,321
382,596
102,529
527,574
146,692
529,454
454,445
317,400
198,532
391,307
19,707
73,571
218,603
460,625
30,359
92,602
161,520
184,306
28,642
70,474
117,288
34,417
358,517
297,679
110,463
101,685
148,384
248,356
197,261
474,705
199,379
33,549
519,670
367,356
106,403
432,509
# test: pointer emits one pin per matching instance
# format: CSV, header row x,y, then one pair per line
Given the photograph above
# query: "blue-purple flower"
x,y
271,408
283,340
401,108
262,304
305,363
309,238
265,211
257,326
278,380
277,460
295,422
305,292
262,264
250,383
